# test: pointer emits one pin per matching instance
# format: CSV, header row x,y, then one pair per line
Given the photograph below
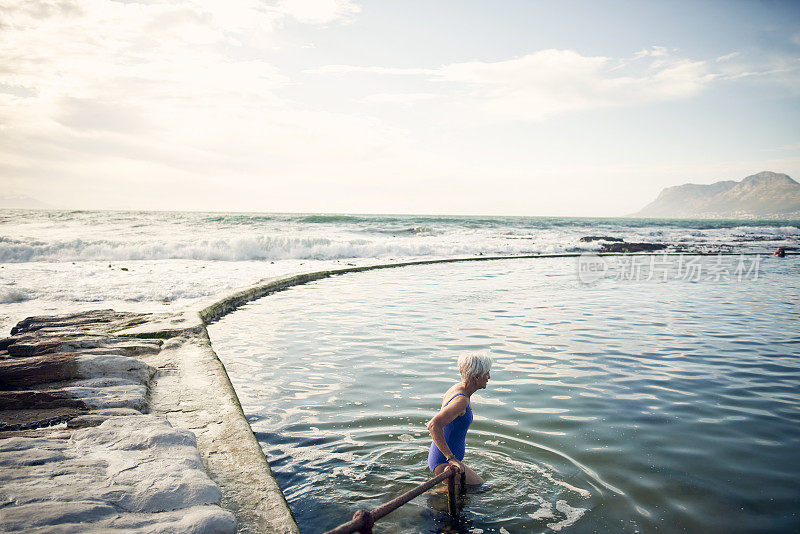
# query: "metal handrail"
x,y
363,520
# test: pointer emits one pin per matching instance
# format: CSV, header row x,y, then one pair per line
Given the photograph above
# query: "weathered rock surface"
x,y
590,238
24,347
25,372
97,417
632,247
33,399
113,466
66,365
18,373
189,375
104,395
108,320
136,466
25,419
51,342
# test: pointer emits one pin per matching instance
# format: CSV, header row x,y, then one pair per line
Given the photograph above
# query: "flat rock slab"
x,y
35,418
632,247
33,371
66,365
190,375
113,466
50,342
106,320
33,399
18,373
128,473
590,238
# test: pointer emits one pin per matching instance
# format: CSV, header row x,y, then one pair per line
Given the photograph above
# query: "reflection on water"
x,y
624,406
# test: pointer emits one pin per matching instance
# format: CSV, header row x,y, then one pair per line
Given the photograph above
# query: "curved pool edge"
x,y
222,307
198,395
217,309
193,391
338,311
231,452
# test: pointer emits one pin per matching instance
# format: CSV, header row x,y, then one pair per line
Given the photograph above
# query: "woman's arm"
x,y
444,417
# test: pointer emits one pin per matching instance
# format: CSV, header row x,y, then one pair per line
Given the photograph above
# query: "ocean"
x,y
58,261
630,393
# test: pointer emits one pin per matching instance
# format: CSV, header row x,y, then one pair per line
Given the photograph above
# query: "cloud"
x,y
347,69
102,99
726,57
84,114
776,70
653,51
551,82
98,92
318,11
400,98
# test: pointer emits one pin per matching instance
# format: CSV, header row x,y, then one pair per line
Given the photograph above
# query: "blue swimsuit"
x,y
455,434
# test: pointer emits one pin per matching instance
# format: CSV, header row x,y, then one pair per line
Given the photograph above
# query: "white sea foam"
x,y
269,248
9,294
572,515
88,236
146,286
60,260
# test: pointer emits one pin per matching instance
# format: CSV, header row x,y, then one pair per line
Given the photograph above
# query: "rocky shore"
x,y
618,245
126,422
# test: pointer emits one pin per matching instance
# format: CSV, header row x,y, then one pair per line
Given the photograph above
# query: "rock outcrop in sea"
x,y
592,238
632,247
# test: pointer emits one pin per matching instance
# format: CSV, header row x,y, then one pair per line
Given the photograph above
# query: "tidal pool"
x,y
620,406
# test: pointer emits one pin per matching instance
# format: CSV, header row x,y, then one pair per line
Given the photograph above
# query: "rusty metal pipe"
x,y
451,496
363,520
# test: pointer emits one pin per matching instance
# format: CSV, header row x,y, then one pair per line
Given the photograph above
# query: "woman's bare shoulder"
x,y
454,390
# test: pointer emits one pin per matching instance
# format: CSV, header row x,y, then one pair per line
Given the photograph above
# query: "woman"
x,y
449,427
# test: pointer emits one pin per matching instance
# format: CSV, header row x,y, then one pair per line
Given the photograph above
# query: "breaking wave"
x,y
9,295
252,248
117,236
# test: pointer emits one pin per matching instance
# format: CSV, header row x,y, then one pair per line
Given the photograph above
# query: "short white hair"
x,y
471,364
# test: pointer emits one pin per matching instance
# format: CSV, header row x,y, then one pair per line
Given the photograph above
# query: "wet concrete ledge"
x,y
217,309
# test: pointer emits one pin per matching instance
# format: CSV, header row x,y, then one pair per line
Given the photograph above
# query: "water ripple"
x,y
618,408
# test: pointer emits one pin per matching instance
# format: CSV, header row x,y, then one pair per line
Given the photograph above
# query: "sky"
x,y
573,108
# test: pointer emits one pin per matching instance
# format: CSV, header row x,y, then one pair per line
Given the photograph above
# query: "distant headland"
x,y
21,202
766,195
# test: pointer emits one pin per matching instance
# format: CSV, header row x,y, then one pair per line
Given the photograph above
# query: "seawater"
x,y
624,405
74,236
55,261
627,403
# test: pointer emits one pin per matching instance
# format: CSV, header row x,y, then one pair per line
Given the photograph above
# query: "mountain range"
x,y
767,195
21,202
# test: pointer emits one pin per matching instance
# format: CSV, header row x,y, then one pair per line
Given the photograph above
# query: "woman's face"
x,y
481,380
